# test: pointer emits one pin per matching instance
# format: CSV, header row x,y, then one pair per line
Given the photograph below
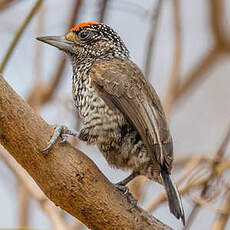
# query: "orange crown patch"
x,y
84,24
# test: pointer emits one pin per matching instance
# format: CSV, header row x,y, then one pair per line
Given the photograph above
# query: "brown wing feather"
x,y
122,85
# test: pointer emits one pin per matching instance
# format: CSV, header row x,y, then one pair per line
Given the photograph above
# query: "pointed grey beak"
x,y
59,42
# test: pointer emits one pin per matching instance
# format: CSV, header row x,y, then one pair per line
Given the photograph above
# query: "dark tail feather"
x,y
174,200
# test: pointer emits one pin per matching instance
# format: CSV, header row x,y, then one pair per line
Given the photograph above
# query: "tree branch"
x,y
66,175
152,38
49,209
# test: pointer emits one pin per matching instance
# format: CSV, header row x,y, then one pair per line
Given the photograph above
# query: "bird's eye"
x,y
83,34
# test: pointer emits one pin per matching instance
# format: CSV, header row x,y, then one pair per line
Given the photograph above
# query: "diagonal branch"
x,y
66,175
218,24
25,180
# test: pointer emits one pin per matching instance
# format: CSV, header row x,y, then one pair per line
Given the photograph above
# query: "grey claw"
x,y
62,132
129,196
133,202
122,188
64,138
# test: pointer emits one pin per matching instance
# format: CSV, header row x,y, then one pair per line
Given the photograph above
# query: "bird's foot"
x,y
61,131
129,196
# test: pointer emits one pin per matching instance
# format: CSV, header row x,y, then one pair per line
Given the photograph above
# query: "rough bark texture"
x,y
66,175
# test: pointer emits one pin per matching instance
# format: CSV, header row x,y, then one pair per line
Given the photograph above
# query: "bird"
x,y
119,108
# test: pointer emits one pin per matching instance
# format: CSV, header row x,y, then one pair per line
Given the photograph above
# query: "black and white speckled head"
x,y
89,41
97,40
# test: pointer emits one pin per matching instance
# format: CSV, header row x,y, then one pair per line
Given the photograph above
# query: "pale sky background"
x,y
197,126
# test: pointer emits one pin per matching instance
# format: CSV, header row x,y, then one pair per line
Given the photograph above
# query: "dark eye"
x,y
83,34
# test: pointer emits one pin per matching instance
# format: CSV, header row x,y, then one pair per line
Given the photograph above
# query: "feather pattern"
x,y
134,96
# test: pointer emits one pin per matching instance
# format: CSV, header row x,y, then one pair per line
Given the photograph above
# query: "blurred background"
x,y
182,46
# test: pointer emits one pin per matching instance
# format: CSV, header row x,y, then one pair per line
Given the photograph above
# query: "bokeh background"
x,y
182,46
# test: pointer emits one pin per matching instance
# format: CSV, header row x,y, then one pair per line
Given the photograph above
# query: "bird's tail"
x,y
174,200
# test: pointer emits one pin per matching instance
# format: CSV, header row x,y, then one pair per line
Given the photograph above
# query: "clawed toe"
x,y
129,196
122,188
63,137
62,132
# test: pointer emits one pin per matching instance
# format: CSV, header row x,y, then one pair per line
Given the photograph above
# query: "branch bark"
x,y
49,209
66,175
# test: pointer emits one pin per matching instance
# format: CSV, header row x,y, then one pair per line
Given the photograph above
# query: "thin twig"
x,y
184,160
207,203
176,66
38,49
152,38
23,206
222,218
4,4
225,165
218,24
217,157
129,7
18,34
195,183
103,10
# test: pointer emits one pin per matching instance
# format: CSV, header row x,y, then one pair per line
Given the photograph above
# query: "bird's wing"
x,y
122,86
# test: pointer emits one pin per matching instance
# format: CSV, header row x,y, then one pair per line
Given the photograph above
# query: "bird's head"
x,y
90,39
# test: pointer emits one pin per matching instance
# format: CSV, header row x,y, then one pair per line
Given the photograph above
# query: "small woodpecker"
x,y
120,110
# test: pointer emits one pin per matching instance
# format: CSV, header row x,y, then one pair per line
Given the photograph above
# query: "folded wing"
x,y
122,86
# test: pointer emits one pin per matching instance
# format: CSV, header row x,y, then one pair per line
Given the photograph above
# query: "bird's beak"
x,y
58,41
